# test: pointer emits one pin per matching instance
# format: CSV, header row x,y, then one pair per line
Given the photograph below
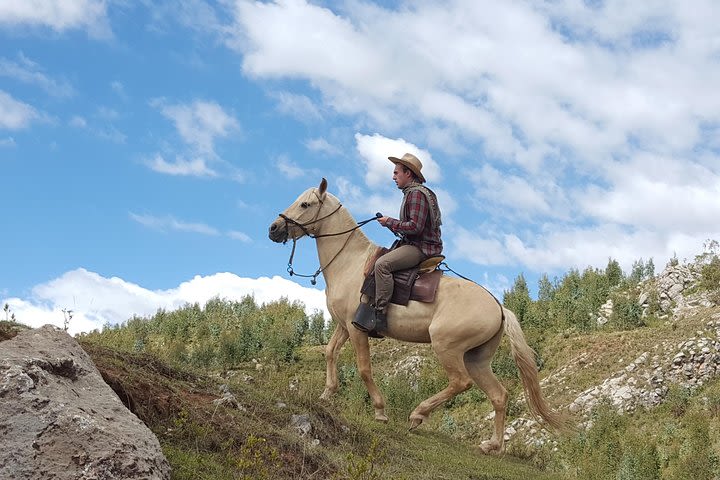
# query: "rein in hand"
x,y
313,277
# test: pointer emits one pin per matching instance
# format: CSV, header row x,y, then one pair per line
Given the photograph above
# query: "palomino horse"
x,y
464,325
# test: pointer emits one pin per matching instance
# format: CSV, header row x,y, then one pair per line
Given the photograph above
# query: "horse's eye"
x,y
304,204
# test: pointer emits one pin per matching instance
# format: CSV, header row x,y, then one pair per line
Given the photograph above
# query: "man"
x,y
418,228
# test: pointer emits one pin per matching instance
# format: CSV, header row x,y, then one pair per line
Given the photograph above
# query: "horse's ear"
x,y
323,186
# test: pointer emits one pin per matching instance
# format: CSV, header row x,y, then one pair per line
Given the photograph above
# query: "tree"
x,y
613,272
637,274
517,298
650,269
316,330
546,289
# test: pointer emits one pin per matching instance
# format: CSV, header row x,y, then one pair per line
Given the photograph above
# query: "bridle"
x,y
303,227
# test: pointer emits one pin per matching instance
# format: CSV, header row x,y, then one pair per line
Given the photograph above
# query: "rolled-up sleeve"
x,y
416,207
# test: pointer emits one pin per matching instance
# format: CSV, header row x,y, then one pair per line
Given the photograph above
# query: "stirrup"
x,y
364,319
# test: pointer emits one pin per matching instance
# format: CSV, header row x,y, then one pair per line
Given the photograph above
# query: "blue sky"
x,y
145,146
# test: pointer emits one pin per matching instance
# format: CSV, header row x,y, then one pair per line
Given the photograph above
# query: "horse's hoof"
x,y
326,395
380,416
415,422
488,447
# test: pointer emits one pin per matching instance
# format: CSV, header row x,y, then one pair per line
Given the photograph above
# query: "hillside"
x,y
231,388
250,423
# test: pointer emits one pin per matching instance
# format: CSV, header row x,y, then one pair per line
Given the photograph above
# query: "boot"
x,y
380,320
364,317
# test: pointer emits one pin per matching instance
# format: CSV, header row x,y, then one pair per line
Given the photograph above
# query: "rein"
x,y
313,277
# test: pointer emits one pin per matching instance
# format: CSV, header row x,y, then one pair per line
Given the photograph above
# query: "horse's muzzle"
x,y
278,231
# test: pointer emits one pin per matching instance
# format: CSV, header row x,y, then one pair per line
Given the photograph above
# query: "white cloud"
x,y
59,16
111,134
527,88
200,123
558,249
498,188
7,142
29,72
193,14
108,132
107,113
196,167
374,151
289,168
565,111
78,122
323,146
167,223
118,88
243,237
297,106
14,114
658,193
96,300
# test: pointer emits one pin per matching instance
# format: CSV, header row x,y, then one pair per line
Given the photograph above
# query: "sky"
x,y
146,146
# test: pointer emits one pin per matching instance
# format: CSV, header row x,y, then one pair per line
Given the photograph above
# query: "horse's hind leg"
x,y
478,362
332,352
458,382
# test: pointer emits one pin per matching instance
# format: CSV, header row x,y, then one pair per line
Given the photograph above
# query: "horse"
x,y
464,326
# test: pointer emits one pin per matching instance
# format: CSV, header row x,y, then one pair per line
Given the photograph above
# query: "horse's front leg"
x,y
332,352
361,345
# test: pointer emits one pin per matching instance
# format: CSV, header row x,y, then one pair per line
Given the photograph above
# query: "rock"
x,y
60,420
294,384
301,424
228,400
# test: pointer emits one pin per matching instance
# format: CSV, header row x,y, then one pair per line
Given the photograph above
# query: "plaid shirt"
x,y
416,226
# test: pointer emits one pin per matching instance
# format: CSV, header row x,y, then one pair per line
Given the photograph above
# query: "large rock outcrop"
x,y
60,420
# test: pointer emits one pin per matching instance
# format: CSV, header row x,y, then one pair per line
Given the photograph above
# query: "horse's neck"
x,y
343,257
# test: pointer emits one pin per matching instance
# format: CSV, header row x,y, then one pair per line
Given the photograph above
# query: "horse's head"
x,y
303,217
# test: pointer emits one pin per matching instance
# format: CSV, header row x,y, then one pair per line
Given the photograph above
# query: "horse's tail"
x,y
524,357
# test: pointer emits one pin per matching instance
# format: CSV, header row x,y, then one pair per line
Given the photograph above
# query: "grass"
x,y
9,328
203,441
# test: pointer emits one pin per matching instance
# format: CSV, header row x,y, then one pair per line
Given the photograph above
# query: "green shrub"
x,y
627,313
596,454
222,334
677,401
364,467
696,458
316,329
503,364
400,394
710,275
640,459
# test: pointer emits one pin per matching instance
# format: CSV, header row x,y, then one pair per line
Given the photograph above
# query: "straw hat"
x,y
411,162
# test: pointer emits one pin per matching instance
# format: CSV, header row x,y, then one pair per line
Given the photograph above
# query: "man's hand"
x,y
383,220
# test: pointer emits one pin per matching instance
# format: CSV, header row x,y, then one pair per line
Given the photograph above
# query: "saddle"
x,y
417,283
